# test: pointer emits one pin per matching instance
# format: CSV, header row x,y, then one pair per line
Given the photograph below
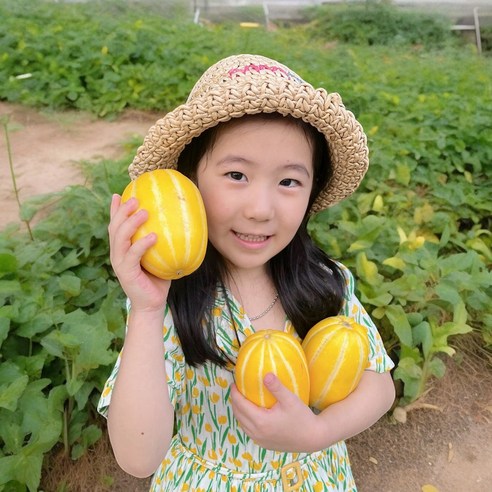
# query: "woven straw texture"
x,y
250,84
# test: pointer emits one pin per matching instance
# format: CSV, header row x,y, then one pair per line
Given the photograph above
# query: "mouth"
x,y
251,238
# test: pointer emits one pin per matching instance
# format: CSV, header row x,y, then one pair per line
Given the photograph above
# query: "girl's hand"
x,y
145,291
289,426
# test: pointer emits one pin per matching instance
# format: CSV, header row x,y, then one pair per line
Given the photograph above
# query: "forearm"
x,y
141,417
362,408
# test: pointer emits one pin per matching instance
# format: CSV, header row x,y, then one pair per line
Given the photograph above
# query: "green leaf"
x,y
460,314
451,328
395,262
481,247
445,330
445,236
410,373
373,298
39,323
24,467
10,393
113,308
93,337
449,264
68,261
368,270
70,284
399,321
92,293
437,367
89,436
8,263
402,174
409,368
10,432
448,293
360,245
4,329
415,318
83,394
31,365
422,333
446,349
74,385
9,287
9,372
61,345
40,419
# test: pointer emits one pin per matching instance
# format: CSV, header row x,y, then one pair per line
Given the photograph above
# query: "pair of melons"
x,y
325,369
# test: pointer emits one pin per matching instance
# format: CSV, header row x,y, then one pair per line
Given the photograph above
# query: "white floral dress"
x,y
210,452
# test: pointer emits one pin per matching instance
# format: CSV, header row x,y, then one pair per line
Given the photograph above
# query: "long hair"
x,y
310,285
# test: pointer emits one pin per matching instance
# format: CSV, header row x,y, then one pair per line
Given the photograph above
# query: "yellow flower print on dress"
x,y
223,383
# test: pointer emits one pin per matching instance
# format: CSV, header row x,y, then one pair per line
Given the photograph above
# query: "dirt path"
x,y
46,147
449,448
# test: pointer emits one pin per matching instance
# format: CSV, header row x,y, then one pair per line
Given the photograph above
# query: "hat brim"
x,y
344,135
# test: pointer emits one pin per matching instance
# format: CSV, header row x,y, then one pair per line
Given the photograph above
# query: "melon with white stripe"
x,y
177,216
337,350
271,351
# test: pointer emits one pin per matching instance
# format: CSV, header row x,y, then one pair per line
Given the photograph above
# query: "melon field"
x,y
82,83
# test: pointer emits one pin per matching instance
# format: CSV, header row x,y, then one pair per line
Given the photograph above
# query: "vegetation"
x,y
373,23
417,233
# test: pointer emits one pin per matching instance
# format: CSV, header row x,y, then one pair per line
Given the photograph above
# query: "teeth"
x,y
251,237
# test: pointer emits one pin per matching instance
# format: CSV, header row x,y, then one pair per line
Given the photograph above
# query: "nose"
x,y
259,204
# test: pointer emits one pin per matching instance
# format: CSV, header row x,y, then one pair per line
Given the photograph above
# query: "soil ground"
x,y
447,439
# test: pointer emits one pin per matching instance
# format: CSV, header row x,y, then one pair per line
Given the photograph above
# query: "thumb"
x,y
276,388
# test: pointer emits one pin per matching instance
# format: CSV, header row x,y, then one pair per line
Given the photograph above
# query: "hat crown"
x,y
244,70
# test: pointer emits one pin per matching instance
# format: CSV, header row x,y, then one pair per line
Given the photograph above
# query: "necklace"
x,y
253,318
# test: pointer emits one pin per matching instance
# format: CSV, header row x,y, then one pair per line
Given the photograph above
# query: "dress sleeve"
x,y
379,360
175,366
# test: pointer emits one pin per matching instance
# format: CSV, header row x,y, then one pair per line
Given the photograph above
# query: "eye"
x,y
290,183
236,176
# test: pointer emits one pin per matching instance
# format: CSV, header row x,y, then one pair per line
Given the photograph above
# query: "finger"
x,y
277,389
120,237
121,211
127,265
236,396
115,203
138,248
242,407
244,410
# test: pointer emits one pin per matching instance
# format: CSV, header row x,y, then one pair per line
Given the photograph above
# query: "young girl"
x,y
266,151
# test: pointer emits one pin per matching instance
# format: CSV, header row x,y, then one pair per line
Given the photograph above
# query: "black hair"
x,y
310,285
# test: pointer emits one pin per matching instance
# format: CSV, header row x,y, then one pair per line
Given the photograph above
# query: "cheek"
x,y
215,205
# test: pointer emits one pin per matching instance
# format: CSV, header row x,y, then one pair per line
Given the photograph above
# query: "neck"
x,y
245,279
256,293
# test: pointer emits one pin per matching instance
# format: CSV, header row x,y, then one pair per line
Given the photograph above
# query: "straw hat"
x,y
250,84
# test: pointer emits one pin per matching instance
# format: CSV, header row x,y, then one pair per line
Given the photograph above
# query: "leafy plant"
x,y
5,123
61,316
380,24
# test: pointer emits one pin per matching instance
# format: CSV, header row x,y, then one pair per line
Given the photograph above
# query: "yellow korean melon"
x,y
177,216
271,351
337,350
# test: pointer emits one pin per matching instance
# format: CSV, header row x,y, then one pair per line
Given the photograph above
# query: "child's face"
x,y
256,183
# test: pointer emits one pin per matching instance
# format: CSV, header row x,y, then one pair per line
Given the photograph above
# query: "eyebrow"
x,y
290,166
298,167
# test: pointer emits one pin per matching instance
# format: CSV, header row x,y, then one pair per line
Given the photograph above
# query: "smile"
x,y
251,237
